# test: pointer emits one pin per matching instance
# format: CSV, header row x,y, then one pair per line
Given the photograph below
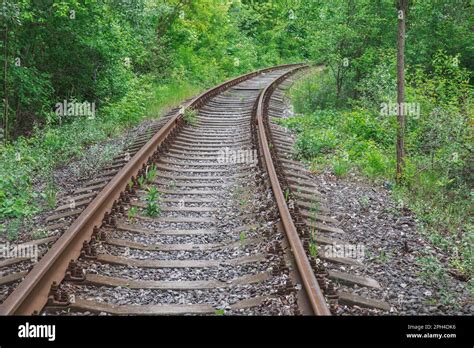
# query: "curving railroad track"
x,y
204,214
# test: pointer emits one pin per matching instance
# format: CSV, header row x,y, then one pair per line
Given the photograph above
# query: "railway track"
x,y
204,214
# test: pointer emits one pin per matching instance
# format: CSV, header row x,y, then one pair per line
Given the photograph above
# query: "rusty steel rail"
x,y
31,295
310,283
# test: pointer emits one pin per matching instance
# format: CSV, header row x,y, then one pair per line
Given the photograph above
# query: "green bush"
x,y
438,172
374,162
366,126
32,159
314,91
341,167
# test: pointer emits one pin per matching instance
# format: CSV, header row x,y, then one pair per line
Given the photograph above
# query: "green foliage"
x,y
364,202
314,141
35,156
287,194
148,177
432,270
242,237
98,51
170,94
340,168
382,257
39,234
356,41
51,194
132,213
13,229
190,116
15,196
151,173
141,182
439,142
219,312
152,198
313,246
314,91
313,250
379,84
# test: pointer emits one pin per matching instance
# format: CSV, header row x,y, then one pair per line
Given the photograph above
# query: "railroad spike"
x,y
75,273
88,251
126,196
57,297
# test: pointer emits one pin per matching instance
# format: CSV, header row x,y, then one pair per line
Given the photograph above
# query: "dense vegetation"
x,y
131,59
345,121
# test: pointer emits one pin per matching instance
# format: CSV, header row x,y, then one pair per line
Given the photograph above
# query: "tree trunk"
x,y
5,85
338,82
402,14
